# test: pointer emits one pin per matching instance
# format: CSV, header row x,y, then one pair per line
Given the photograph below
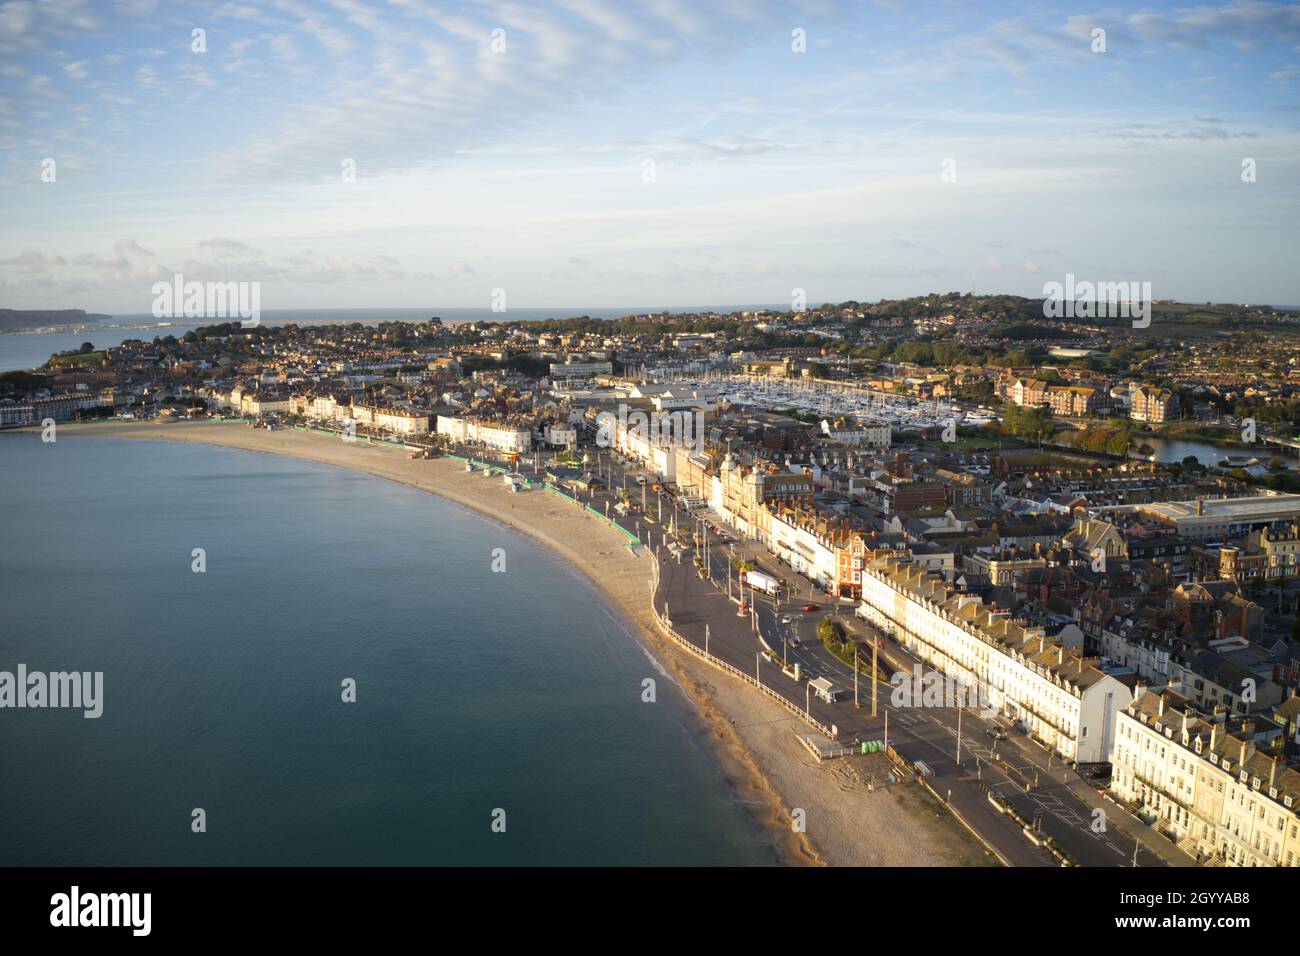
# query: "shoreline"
x,y
752,738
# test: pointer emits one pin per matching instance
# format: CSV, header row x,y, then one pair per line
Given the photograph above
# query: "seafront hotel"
x,y
1064,700
1219,786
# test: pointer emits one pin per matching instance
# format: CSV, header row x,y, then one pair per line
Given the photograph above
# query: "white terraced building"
x,y
1220,786
1062,698
495,434
653,441
402,421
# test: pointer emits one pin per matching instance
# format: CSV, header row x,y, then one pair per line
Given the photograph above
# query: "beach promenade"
x,y
753,737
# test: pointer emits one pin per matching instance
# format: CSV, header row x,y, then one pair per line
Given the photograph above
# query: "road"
x,y
1057,799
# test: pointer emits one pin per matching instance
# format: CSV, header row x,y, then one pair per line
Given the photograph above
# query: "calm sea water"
x,y
475,690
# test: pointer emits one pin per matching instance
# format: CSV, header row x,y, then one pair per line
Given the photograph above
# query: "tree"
x,y
1117,444
830,631
1030,424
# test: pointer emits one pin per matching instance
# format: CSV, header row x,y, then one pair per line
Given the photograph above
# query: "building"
x,y
13,414
561,436
963,489
256,404
1065,700
1220,519
1002,568
823,547
1264,554
501,435
863,434
1075,401
900,495
324,407
576,368
1027,392
62,407
1152,404
402,421
1220,787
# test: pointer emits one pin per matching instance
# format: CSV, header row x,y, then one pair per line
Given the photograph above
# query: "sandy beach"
x,y
853,817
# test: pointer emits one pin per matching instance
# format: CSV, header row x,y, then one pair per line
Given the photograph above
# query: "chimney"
x,y
1200,507
1272,772
1162,705
1214,735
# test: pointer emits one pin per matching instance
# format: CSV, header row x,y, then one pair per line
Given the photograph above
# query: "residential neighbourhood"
x,y
1097,599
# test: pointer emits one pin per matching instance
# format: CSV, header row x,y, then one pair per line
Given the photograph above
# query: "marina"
x,y
833,400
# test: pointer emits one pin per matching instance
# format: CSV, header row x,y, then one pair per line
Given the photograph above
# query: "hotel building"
x,y
1063,699
495,434
1219,786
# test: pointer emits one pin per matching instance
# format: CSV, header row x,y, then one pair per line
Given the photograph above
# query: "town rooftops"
x,y
1254,506
1029,645
1237,745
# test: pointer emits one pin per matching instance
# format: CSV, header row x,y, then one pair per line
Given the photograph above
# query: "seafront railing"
x,y
718,662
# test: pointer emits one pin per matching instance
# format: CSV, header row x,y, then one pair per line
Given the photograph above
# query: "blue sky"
x,y
529,169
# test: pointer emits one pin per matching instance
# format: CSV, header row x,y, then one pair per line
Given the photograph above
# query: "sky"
x,y
644,153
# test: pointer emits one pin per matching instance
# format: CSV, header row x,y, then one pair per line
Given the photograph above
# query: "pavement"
x,y
1056,799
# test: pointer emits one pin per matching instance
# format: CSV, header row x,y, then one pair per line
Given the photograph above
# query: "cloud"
x,y
31,262
911,244
130,247
27,27
226,248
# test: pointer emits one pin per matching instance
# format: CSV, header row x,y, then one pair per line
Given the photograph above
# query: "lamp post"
x,y
875,682
855,675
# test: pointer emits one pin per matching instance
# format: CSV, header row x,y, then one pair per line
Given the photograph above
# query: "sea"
x,y
30,350
502,713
